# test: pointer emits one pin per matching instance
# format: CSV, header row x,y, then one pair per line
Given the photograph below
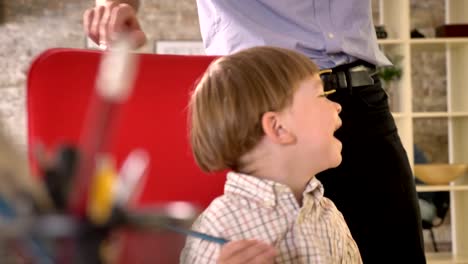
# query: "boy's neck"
x,y
283,177
273,164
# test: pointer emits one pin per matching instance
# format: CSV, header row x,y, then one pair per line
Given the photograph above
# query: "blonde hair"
x,y
227,105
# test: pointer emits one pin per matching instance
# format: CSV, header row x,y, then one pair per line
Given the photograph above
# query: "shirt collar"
x,y
265,191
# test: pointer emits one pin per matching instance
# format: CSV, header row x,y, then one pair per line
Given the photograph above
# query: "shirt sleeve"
x,y
197,250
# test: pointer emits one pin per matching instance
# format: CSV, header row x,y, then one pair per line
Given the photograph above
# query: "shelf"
x,y
436,188
438,44
435,68
390,41
438,41
438,114
444,258
421,42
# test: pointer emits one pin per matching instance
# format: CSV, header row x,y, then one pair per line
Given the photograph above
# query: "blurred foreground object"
x,y
148,146
15,178
22,198
114,84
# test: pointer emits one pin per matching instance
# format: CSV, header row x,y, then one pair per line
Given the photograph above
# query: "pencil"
x,y
203,236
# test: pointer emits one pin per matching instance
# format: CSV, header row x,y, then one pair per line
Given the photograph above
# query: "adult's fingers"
x,y
104,25
259,253
234,248
96,23
88,17
124,20
266,257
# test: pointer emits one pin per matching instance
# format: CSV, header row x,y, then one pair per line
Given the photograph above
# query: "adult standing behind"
x,y
373,187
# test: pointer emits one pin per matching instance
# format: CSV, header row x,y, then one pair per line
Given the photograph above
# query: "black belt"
x,y
353,76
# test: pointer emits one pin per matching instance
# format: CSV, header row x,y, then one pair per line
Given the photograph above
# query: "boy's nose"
x,y
338,107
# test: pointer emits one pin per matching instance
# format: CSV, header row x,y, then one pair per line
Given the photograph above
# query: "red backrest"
x,y
60,85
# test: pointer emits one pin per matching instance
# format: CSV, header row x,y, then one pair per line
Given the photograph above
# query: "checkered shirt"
x,y
253,208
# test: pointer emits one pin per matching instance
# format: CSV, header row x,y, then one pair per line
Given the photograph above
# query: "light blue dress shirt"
x,y
330,32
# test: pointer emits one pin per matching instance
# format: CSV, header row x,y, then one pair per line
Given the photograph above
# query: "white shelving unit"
x,y
396,16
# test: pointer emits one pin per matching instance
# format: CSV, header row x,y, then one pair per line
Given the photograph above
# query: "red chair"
x,y
61,85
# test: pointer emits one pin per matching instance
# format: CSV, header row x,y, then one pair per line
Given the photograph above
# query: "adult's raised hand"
x,y
108,20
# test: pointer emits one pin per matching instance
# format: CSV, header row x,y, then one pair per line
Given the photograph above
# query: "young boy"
x,y
263,114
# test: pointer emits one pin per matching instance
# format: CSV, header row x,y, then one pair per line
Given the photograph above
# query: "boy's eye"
x,y
325,94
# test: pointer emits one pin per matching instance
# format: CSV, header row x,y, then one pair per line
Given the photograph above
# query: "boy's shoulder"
x,y
233,204
238,217
223,206
216,218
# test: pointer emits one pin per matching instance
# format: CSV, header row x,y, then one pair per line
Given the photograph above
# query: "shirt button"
x,y
331,35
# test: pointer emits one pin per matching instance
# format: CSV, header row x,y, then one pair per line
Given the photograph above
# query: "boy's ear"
x,y
275,130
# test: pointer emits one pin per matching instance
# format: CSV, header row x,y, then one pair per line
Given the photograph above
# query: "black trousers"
x,y
374,186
